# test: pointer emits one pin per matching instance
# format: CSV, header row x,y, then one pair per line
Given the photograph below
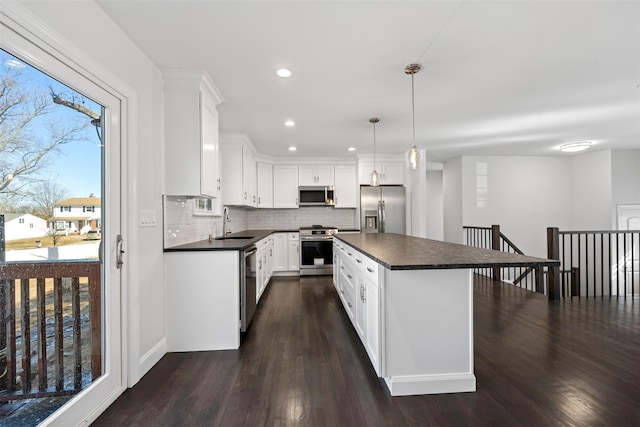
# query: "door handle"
x,y
119,251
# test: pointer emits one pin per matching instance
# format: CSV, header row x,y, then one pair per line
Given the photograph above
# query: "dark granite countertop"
x,y
240,241
400,252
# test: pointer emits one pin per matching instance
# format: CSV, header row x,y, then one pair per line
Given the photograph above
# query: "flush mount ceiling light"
x,y
575,146
413,156
292,148
290,123
374,180
283,72
352,149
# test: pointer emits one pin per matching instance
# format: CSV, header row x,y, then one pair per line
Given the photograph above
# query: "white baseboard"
x,y
430,384
152,357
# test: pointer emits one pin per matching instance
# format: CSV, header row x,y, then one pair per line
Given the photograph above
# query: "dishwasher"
x,y
247,286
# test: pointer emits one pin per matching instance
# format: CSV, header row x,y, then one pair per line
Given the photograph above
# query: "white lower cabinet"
x,y
203,289
358,287
264,267
286,253
293,254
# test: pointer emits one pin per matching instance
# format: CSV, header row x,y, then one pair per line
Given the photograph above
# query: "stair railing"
x,y
594,263
493,238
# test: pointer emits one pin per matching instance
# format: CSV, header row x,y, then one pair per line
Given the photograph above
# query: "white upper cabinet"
x,y
285,186
249,180
265,185
315,175
238,172
346,187
390,172
191,146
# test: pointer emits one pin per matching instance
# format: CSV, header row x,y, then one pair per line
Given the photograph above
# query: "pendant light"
x,y
413,156
375,178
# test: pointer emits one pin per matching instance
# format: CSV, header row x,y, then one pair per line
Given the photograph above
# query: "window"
x,y
21,221
30,225
88,209
65,208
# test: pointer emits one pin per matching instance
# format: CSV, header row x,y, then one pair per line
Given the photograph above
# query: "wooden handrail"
x,y
493,238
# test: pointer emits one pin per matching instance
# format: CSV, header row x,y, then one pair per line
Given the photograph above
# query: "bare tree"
x,y
55,235
27,137
45,196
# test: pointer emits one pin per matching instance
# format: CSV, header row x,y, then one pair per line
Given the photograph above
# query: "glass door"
x,y
60,292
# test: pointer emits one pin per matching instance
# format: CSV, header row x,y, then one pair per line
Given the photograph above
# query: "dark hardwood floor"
x,y
301,364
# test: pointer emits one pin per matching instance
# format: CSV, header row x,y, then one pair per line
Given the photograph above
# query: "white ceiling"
x,y
498,77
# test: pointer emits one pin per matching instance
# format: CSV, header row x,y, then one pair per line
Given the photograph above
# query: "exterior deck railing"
x,y
50,335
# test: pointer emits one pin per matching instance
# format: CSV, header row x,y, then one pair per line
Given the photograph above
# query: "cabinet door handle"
x,y
259,198
245,195
349,276
369,269
219,184
359,261
349,304
364,294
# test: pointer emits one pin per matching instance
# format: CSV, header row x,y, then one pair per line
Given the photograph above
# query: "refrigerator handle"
x,y
381,216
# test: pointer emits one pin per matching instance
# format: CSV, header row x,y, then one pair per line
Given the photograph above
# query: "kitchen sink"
x,y
235,238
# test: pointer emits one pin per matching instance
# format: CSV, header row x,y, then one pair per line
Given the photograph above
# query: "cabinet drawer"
x,y
293,236
371,269
348,275
347,290
359,261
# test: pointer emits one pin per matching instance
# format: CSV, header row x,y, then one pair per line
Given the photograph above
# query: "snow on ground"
x,y
83,250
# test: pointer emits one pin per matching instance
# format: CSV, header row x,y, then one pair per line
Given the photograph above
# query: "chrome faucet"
x,y
226,219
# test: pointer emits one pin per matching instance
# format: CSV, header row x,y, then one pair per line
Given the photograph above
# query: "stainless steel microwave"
x,y
316,196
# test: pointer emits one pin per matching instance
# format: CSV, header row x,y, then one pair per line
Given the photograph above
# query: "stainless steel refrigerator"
x,y
382,209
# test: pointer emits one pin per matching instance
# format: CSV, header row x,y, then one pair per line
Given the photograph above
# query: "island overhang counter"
x,y
415,309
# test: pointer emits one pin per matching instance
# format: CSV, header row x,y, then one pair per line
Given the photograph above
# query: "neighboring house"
x,y
23,226
77,215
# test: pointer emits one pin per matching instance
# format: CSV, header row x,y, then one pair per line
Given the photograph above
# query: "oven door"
x,y
316,256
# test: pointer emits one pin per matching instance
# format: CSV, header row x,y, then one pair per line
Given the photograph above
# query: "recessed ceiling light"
x,y
283,72
292,148
352,148
575,146
289,123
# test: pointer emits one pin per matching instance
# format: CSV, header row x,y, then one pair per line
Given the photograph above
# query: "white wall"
x,y
524,195
591,191
88,29
625,177
452,200
433,202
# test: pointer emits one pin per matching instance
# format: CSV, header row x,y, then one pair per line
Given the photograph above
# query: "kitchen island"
x,y
411,302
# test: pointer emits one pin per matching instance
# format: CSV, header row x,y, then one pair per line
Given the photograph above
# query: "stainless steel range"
x,y
316,250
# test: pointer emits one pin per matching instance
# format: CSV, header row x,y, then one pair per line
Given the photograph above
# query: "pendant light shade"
x,y
374,179
413,156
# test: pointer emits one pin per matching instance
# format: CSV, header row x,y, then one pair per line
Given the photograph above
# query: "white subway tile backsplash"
x,y
280,219
181,226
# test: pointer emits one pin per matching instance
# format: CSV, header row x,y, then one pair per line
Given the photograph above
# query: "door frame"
x,y
38,33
